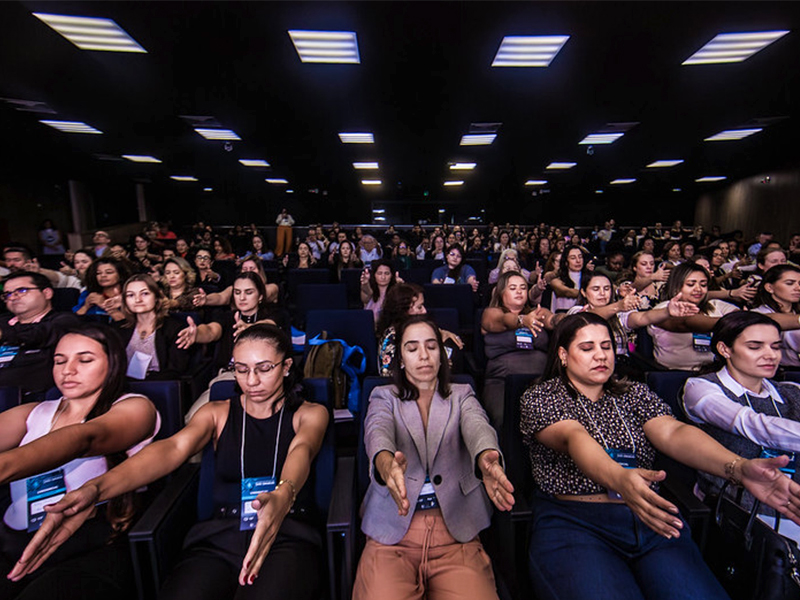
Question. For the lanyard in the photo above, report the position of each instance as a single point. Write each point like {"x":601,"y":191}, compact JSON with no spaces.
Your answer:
{"x":775,"y":406}
{"x":599,"y":432}
{"x":277,"y":438}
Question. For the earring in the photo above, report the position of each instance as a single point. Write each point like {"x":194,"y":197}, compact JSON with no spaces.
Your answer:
{"x":402,"y":366}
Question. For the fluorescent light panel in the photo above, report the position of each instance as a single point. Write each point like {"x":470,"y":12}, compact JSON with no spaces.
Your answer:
{"x":371,"y":182}
{"x":478,"y":139}
{"x":217,"y":134}
{"x":326,"y":46}
{"x":71,"y":126}
{"x":379,"y":211}
{"x":660,"y":164}
{"x":710,"y":178}
{"x":276,"y":181}
{"x":379,"y":218}
{"x":91,"y":33}
{"x":560,"y":166}
{"x":357,"y":138}
{"x":140,"y":158}
{"x":453,"y":183}
{"x":465,"y":166}
{"x":182,"y":178}
{"x":730,"y":135}
{"x":622,"y":181}
{"x":365,"y":165}
{"x":528,"y":50}
{"x":595,"y":139}
{"x":253,"y":162}
{"x":536,"y":182}
{"x":733,"y":47}
{"x":208,"y":189}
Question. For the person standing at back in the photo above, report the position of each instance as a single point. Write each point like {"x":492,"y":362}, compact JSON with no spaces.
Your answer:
{"x":284,"y":221}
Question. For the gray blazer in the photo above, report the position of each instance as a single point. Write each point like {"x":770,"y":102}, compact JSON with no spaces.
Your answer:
{"x":458,"y":431}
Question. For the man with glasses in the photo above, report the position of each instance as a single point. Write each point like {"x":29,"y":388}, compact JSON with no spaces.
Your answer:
{"x":29,"y":335}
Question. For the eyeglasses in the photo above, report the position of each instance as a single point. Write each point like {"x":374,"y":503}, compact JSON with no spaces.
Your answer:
{"x":261,"y":368}
{"x":6,"y":296}
{"x":202,"y":258}
{"x":454,"y":254}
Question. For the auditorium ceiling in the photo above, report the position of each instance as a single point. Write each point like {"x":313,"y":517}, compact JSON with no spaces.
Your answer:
{"x":424,"y":79}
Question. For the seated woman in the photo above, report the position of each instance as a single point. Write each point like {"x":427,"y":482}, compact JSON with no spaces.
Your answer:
{"x":303,"y":260}
{"x":265,"y":436}
{"x":402,"y":257}
{"x":455,"y":270}
{"x":437,"y":248}
{"x":178,"y":282}
{"x":503,"y":242}
{"x":671,"y":254}
{"x":425,"y":504}
{"x":208,"y":280}
{"x":375,"y":282}
{"x":103,"y":294}
{"x":592,"y":440}
{"x":345,"y":257}
{"x":222,"y":249}
{"x":738,"y":405}
{"x":567,"y":282}
{"x":259,"y":249}
{"x":149,"y":333}
{"x":402,"y":301}
{"x":92,"y":427}
{"x":249,"y":264}
{"x":645,"y":278}
{"x":507,"y":256}
{"x":779,"y":292}
{"x":141,"y":255}
{"x":514,"y":342}
{"x":73,"y":275}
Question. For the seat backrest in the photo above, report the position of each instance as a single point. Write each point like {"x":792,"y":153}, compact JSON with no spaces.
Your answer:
{"x":793,"y":376}
{"x":356,"y":327}
{"x":312,"y":296}
{"x":461,"y":297}
{"x":295,"y":277}
{"x":166,"y":396}
{"x":419,"y":275}
{"x":478,"y":347}
{"x":10,"y":397}
{"x":351,"y":278}
{"x":445,"y":318}
{"x":65,"y":298}
{"x":515,"y":453}
{"x":644,"y":343}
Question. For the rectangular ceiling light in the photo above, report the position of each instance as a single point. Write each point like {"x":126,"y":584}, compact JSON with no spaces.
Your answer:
{"x":71,"y":126}
{"x":478,"y":139}
{"x":453,"y":183}
{"x":217,"y":134}
{"x":536,"y":182}
{"x":710,"y":179}
{"x":140,"y":158}
{"x":253,"y":162}
{"x":371,"y":182}
{"x":276,"y":181}
{"x":733,"y":47}
{"x":730,"y":135}
{"x":528,"y":50}
{"x":660,"y":164}
{"x":622,"y":181}
{"x":554,"y":166}
{"x":365,"y":165}
{"x":379,"y":211}
{"x":91,"y":33}
{"x":465,"y":166}
{"x":379,"y":218}
{"x":594,"y":139}
{"x":182,"y":178}
{"x":357,"y":138}
{"x":326,"y":46}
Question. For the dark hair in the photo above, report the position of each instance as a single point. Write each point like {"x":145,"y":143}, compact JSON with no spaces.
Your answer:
{"x":161,"y":308}
{"x":585,"y":285}
{"x":15,"y":247}
{"x":397,"y":303}
{"x":91,"y":274}
{"x":563,"y":267}
{"x":676,"y":278}
{"x":260,"y":287}
{"x":455,"y":273}
{"x":667,"y":247}
{"x":771,"y":277}
{"x":373,"y":284}
{"x":39,"y":280}
{"x":728,"y":328}
{"x":272,"y":334}
{"x":500,"y":287}
{"x":224,"y":244}
{"x":563,"y":336}
{"x":405,"y":389}
{"x":761,"y":257}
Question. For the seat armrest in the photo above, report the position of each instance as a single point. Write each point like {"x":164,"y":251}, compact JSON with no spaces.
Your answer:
{"x":341,"y":528}
{"x":696,"y":513}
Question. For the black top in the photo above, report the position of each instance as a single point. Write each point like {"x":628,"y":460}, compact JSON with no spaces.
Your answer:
{"x":173,"y":362}
{"x":227,"y":319}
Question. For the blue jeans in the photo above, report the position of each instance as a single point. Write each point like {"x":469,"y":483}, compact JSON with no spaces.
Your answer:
{"x":598,"y":550}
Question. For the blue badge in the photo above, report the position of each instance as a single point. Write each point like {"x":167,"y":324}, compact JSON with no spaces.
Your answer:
{"x":701,"y":342}
{"x":790,"y":468}
{"x":427,"y":496}
{"x":624,"y":458}
{"x":524,"y":339}
{"x":7,"y":354}
{"x":44,"y":489}
{"x":251,"y":488}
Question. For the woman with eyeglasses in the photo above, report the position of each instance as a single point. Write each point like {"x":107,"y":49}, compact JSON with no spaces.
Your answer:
{"x":779,"y":293}
{"x":402,"y":258}
{"x":103,"y":294}
{"x":455,"y":270}
{"x":507,"y":261}
{"x":261,"y":540}
{"x":208,"y":280}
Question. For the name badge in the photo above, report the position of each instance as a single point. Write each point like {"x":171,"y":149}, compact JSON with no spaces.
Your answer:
{"x":790,"y":468}
{"x":7,"y":354}
{"x":44,"y":489}
{"x":524,"y":339}
{"x":251,"y":488}
{"x":427,"y":496}
{"x":701,"y":342}
{"x":624,"y":458}
{"x":449,"y":280}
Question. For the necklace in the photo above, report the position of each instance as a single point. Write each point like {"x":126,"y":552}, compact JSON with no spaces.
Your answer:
{"x":60,"y":411}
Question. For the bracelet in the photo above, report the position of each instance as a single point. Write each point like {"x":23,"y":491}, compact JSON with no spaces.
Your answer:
{"x":291,"y":484}
{"x":730,"y":293}
{"x":521,"y":320}
{"x":730,"y":470}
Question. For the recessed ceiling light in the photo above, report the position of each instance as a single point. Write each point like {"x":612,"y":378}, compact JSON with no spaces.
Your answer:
{"x":478,"y":139}
{"x":453,"y":183}
{"x":441,"y":210}
{"x":326,"y":46}
{"x":709,"y":179}
{"x":599,"y":192}
{"x":677,"y":190}
{"x":664,"y":163}
{"x":536,"y":182}
{"x":182,"y":178}
{"x":554,"y":166}
{"x":91,"y":33}
{"x":253,"y":162}
{"x":71,"y":126}
{"x":462,"y":166}
{"x":595,"y":139}
{"x":733,"y":47}
{"x":528,"y":50}
{"x":277,"y":181}
{"x":290,"y":191}
{"x":371,"y":182}
{"x":732,"y":134}
{"x":365,"y":165}
{"x":622,"y":181}
{"x":379,"y":211}
{"x":208,"y":189}
{"x":217,"y":134}
{"x":357,"y":138}
{"x":140,"y":158}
